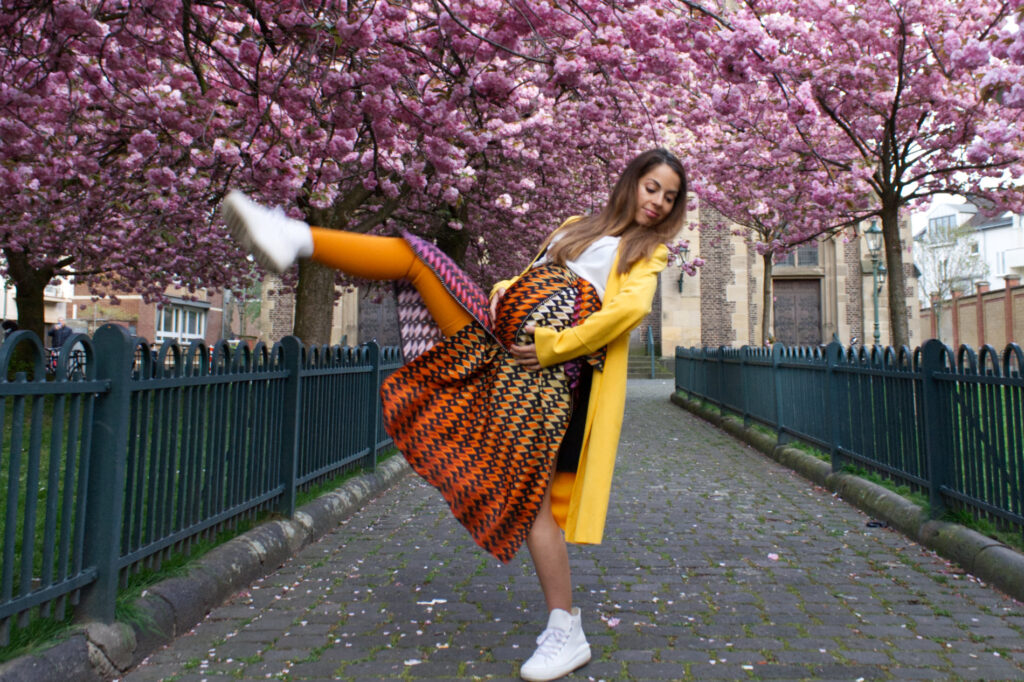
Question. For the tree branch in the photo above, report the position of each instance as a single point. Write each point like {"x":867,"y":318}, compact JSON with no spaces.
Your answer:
{"x":487,"y":40}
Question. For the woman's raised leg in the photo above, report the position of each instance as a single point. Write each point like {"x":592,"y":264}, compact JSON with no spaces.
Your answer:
{"x":277,"y":241}
{"x":389,"y":258}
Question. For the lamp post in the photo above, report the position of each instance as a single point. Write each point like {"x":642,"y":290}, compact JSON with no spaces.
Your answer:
{"x":684,"y":252}
{"x":874,"y":236}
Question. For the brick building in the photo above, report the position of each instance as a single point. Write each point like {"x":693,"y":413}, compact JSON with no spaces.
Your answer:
{"x":277,"y":314}
{"x":821,"y":290}
{"x":184,"y":317}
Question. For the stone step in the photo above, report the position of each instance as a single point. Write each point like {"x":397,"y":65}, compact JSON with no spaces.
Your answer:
{"x":640,"y":367}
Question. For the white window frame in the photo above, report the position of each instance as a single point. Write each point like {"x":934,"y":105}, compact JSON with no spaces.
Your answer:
{"x":180,"y":322}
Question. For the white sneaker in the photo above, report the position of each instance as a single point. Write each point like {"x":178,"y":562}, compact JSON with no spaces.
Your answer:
{"x":275,"y":240}
{"x":561,"y":648}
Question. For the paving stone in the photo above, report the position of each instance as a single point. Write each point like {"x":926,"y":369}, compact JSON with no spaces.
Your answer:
{"x":155,"y":670}
{"x":918,"y":674}
{"x":290,"y":641}
{"x":712,"y":552}
{"x":918,"y":658}
{"x":596,"y":670}
{"x":848,"y":672}
{"x":804,"y":657}
{"x":814,"y":643}
{"x":237,"y":649}
{"x":276,"y":656}
{"x":858,"y":656}
{"x":315,"y":669}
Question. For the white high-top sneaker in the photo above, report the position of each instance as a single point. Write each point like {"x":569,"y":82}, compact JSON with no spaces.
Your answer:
{"x":561,"y":648}
{"x":275,"y":240}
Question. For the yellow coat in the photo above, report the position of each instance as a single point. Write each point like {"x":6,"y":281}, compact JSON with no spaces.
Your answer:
{"x":580,"y":500}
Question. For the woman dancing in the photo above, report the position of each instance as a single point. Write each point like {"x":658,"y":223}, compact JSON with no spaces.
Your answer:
{"x":514,"y":412}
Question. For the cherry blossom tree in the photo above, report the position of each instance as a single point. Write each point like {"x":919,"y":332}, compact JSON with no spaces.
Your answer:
{"x":110,"y":170}
{"x":754,"y":173}
{"x":1001,"y":53}
{"x":902,"y":89}
{"x":479,"y":125}
{"x":476,"y":126}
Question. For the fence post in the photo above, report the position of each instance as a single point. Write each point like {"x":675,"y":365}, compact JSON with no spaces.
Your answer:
{"x":675,"y":369}
{"x":782,"y":438}
{"x":938,"y":434}
{"x":650,"y":348}
{"x":372,"y":401}
{"x":720,"y":380}
{"x":745,"y":352}
{"x":291,"y":422}
{"x":833,"y":399}
{"x":104,"y":505}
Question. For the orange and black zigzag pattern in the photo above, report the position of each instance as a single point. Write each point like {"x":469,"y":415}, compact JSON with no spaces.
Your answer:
{"x":418,"y":331}
{"x":481,"y":429}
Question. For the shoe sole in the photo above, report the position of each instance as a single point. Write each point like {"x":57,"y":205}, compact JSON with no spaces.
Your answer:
{"x":237,"y":227}
{"x":581,"y":658}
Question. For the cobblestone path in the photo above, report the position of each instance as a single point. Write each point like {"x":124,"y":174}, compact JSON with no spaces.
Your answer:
{"x":717,"y":564}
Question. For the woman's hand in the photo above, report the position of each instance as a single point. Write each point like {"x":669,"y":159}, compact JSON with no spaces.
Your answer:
{"x":526,"y":355}
{"x":499,"y":294}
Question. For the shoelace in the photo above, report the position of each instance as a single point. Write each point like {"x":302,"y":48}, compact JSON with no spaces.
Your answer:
{"x":550,"y":642}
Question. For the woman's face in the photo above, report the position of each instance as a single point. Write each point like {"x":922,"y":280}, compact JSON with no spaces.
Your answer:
{"x":656,"y":194}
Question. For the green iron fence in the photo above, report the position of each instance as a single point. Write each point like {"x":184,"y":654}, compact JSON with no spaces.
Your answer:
{"x":138,"y":451}
{"x":948,"y":425}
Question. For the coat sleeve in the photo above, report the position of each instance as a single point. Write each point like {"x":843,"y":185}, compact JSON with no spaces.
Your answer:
{"x":503,"y":284}
{"x":618,"y":315}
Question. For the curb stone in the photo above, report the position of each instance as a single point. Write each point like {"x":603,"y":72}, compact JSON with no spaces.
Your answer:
{"x":96,"y":651}
{"x":978,"y":554}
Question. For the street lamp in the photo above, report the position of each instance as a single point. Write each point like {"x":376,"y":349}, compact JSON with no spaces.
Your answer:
{"x":874,"y":236}
{"x":684,"y":252}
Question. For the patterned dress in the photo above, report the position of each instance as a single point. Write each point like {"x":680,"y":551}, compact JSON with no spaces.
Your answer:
{"x":481,"y":429}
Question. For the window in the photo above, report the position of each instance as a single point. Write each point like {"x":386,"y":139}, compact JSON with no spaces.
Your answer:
{"x":802,"y":256}
{"x":946,"y":222}
{"x":180,"y":322}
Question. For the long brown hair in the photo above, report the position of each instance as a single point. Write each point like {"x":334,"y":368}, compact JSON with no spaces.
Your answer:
{"x":618,"y":217}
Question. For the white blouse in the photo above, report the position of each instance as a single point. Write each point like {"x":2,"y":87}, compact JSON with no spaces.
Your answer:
{"x":595,"y":263}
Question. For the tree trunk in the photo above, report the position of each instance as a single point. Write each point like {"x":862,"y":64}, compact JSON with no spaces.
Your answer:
{"x":899,"y":334}
{"x":314,"y":303}
{"x":455,"y":243}
{"x":314,"y":294}
{"x":29,"y":285}
{"x":767,"y":300}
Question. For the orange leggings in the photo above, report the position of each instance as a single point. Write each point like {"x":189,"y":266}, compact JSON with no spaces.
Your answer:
{"x":389,"y":258}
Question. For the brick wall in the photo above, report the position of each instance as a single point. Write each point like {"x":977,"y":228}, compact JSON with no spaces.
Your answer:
{"x":755,"y":273}
{"x":988,"y":317}
{"x":378,"y":316}
{"x":854,"y":291}
{"x":716,"y":310}
{"x":277,"y":314}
